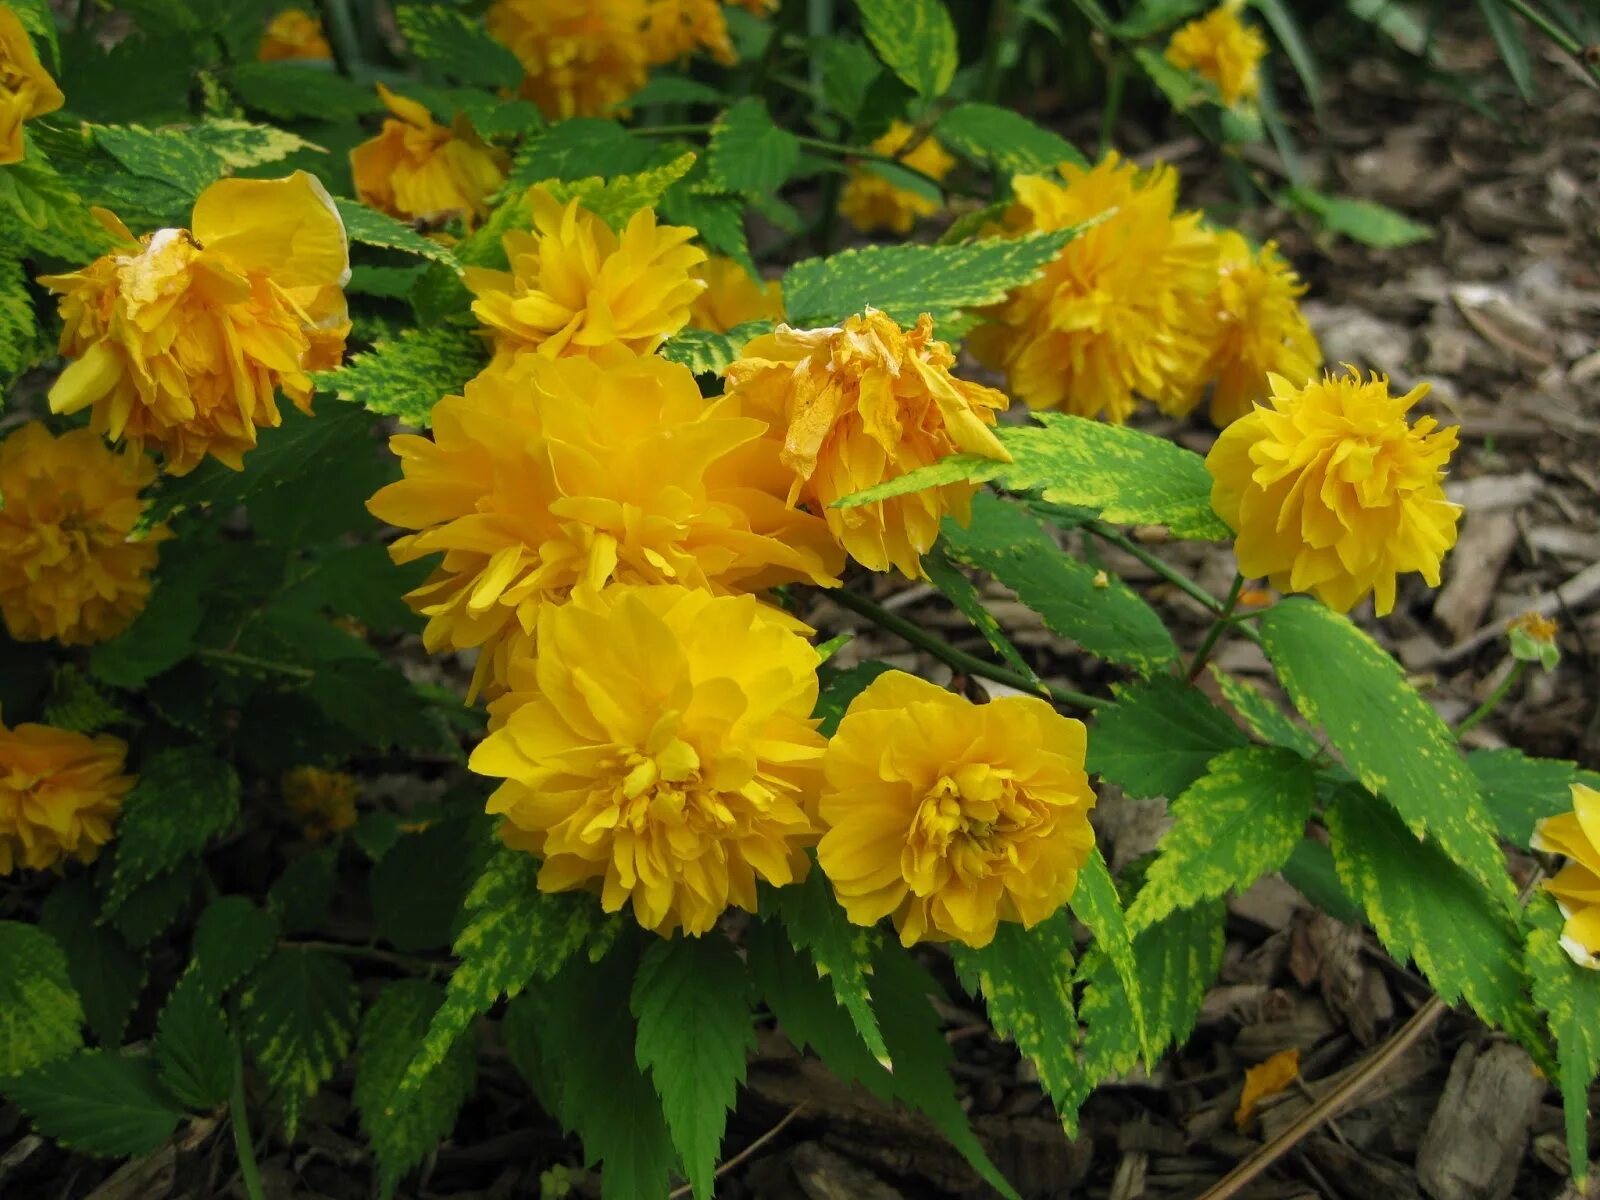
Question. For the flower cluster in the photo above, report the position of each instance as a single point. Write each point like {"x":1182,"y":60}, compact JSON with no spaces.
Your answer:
{"x":60,"y":791}
{"x":1145,"y":301}
{"x":659,"y":746}
{"x":574,"y":287}
{"x":1222,"y":49}
{"x":585,"y":57}
{"x":26,"y":89}
{"x":294,"y":35}
{"x":180,"y":339}
{"x":862,"y":403}
{"x":418,"y":169}
{"x":950,"y":817}
{"x":606,"y":540}
{"x":323,"y":801}
{"x":1576,"y":887}
{"x":71,"y":566}
{"x":1331,"y":491}
{"x":569,"y":472}
{"x":872,"y":202}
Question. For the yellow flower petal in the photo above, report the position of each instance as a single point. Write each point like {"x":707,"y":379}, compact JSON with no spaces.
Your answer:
{"x":288,"y":229}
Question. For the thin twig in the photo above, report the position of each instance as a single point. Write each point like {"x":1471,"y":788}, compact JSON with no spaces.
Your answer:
{"x":678,"y":1192}
{"x":1330,"y":1105}
{"x":1214,"y":634}
{"x":960,"y":660}
{"x":1492,"y":701}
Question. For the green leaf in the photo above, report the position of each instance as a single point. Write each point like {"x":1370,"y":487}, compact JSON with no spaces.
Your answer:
{"x":20,"y":344}
{"x":808,"y":1010}
{"x":232,"y":937}
{"x":1425,"y":909}
{"x":369,"y":227}
{"x":1520,"y":791}
{"x":1183,"y":89}
{"x":1569,"y":995}
{"x":1390,"y":737}
{"x":299,"y":899}
{"x":76,"y":704}
{"x":1129,"y":477}
{"x":1159,"y":737}
{"x":402,"y":1134}
{"x":39,"y":1010}
{"x":1311,"y":871}
{"x":376,"y":703}
{"x":515,"y":934}
{"x":1263,"y":718}
{"x":457,"y":46}
{"x":719,"y":216}
{"x":691,"y":999}
{"x":676,"y":89}
{"x":1102,"y":614}
{"x":1365,"y":221}
{"x":707,"y":353}
{"x":601,"y":1094}
{"x":194,"y":1054}
{"x":1292,"y":38}
{"x":105,"y":973}
{"x":299,"y":1017}
{"x":748,"y":153}
{"x":1513,"y":49}
{"x":848,"y":71}
{"x":174,"y":156}
{"x":1177,"y":961}
{"x":419,"y":887}
{"x":839,"y":687}
{"x":909,"y":279}
{"x":1095,"y":902}
{"x":959,"y":590}
{"x":1238,"y":821}
{"x":843,"y":952}
{"x":40,"y":22}
{"x":97,"y":1102}
{"x":160,"y":637}
{"x":915,"y":39}
{"x":290,"y":90}
{"x":406,"y":377}
{"x":241,"y":144}
{"x":152,"y":907}
{"x":1005,"y":139}
{"x":303,"y":452}
{"x":1026,"y":980}
{"x":617,"y":199}
{"x":902,"y":992}
{"x":583,"y":147}
{"x":184,"y":799}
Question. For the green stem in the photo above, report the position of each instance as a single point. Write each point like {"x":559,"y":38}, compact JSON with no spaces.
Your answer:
{"x":1560,"y":37}
{"x":959,"y":660}
{"x":251,"y":662}
{"x":1492,"y":702}
{"x":1173,"y":576}
{"x":406,"y":962}
{"x":1214,"y":634}
{"x":239,"y":1118}
{"x":342,"y":35}
{"x":1116,"y":86}
{"x":1001,"y":23}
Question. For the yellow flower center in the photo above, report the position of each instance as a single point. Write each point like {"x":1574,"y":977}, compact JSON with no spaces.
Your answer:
{"x":968,"y":827}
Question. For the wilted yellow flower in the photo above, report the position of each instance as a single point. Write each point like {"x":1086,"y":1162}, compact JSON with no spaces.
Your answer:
{"x":69,"y":567}
{"x":1576,"y":887}
{"x":567,"y":472}
{"x":664,"y":752}
{"x":1536,"y":627}
{"x":59,"y":794}
{"x":294,"y":34}
{"x":1121,"y":310}
{"x":324,"y":801}
{"x":872,"y":203}
{"x":26,"y":89}
{"x":676,"y":28}
{"x":1264,"y":1081}
{"x":416,"y":167}
{"x":1257,"y":329}
{"x":863,"y":403}
{"x":575,"y":287}
{"x":733,"y":296}
{"x":1223,"y":49}
{"x":581,"y":57}
{"x":1331,"y":492}
{"x":181,"y":338}
{"x":952,"y":816}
